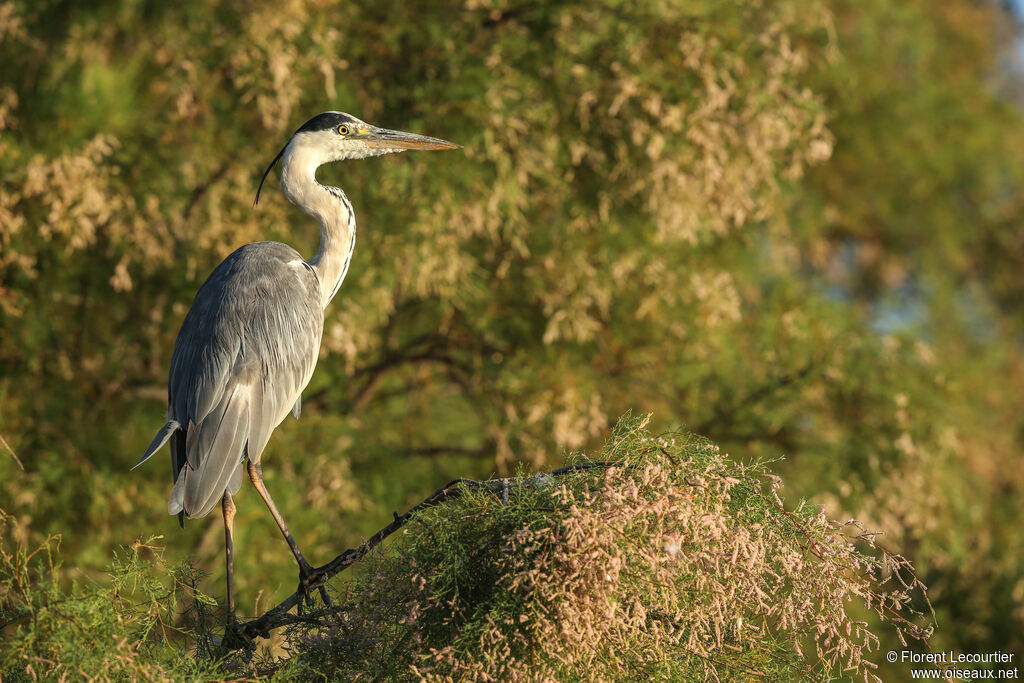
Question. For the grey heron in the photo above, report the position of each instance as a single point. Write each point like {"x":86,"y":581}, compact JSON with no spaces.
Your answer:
{"x":248,"y":345}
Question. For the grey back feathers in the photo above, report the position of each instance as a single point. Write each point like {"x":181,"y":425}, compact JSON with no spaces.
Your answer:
{"x":246,"y":350}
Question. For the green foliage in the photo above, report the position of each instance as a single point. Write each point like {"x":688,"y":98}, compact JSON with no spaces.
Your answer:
{"x":122,"y":630}
{"x":673,"y":563}
{"x":662,"y":559}
{"x":794,"y":226}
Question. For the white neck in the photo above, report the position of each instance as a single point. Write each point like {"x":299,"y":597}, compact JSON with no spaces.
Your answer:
{"x":330,"y":207}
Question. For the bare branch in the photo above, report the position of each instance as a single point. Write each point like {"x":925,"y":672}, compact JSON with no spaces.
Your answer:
{"x":278,"y":616}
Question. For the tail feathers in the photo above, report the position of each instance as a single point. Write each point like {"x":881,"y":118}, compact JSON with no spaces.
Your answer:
{"x":235,"y":482}
{"x":176,"y":503}
{"x":162,"y":437}
{"x":215,"y":448}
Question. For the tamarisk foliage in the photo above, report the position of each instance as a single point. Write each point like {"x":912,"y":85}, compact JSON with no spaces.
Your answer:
{"x":144,"y":623}
{"x":657,"y":556}
{"x":666,"y":560}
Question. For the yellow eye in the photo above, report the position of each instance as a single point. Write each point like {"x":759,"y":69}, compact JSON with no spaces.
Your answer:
{"x":343,"y":129}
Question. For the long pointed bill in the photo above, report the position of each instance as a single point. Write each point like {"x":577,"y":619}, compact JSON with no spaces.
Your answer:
{"x":394,"y":139}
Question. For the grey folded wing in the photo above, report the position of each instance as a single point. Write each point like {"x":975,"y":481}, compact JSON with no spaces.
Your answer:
{"x":245,"y":351}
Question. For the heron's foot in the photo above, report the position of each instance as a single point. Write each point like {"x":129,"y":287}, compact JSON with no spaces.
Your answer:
{"x":235,"y":637}
{"x":309,"y":577}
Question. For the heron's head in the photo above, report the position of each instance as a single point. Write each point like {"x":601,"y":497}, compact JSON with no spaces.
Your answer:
{"x":336,"y":136}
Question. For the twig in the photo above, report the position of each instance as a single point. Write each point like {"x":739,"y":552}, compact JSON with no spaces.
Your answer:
{"x":200,"y":190}
{"x":911,"y":627}
{"x":13,"y":454}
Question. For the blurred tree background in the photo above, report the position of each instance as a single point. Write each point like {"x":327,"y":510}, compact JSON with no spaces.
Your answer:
{"x":795,"y":227}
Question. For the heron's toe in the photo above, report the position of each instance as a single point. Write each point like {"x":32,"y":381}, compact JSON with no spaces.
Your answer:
{"x":308,"y":579}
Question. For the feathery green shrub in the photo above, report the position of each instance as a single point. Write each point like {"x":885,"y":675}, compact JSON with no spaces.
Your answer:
{"x":673,"y":563}
{"x":660,"y":558}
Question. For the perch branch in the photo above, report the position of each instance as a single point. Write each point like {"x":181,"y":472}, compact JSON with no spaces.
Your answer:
{"x":278,"y":616}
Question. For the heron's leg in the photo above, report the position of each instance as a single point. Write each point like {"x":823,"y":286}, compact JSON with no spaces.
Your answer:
{"x":228,"y":506}
{"x":256,"y":475}
{"x":306,"y":571}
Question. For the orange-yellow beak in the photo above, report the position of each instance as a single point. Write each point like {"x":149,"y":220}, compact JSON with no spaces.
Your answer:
{"x":396,"y":139}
